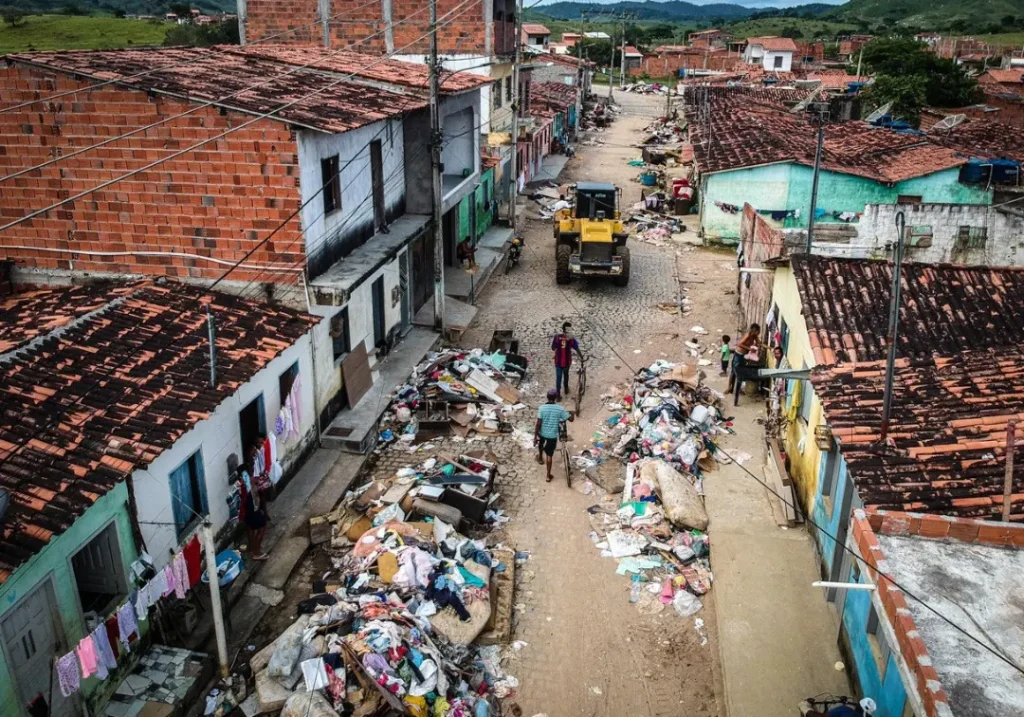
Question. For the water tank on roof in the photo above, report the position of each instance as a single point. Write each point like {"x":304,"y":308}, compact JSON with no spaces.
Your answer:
{"x":974,"y":172}
{"x":1005,"y":171}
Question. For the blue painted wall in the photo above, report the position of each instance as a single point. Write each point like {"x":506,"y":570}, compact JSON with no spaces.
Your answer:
{"x":886,"y":690}
{"x":788,"y":186}
{"x":820,"y":515}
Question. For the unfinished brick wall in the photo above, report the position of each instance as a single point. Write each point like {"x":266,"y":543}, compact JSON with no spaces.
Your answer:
{"x":299,"y":18}
{"x":761,"y":242}
{"x":669,"y":65}
{"x":216,"y":202}
{"x":465,"y":34}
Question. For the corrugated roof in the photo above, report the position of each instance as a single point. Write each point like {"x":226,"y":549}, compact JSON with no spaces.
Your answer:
{"x":744,"y":130}
{"x":946,"y":309}
{"x":202,"y":75}
{"x":94,"y":405}
{"x":948,"y":430}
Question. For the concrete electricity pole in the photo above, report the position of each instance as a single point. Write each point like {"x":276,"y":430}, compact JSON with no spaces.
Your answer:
{"x":817,"y":173}
{"x":894,"y":327}
{"x":622,"y":57}
{"x":435,"y":170}
{"x":514,"y":161}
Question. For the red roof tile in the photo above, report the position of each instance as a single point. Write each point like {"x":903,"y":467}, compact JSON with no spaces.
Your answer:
{"x":530,"y":28}
{"x":414,"y":75}
{"x":773,"y":44}
{"x":741,"y":129}
{"x":982,"y":139}
{"x":263,"y":85}
{"x":140,"y":401}
{"x":1009,"y":77}
{"x":946,"y":309}
{"x":948,"y":428}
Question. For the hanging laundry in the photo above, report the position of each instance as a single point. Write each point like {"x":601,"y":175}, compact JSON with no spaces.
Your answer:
{"x":180,"y":571}
{"x":67,"y":674}
{"x":86,"y":652}
{"x":193,"y":558}
{"x":113,"y":633}
{"x":157,"y":586}
{"x":141,"y":603}
{"x":275,"y":466}
{"x":126,"y":623}
{"x":105,"y":659}
{"x":169,"y":574}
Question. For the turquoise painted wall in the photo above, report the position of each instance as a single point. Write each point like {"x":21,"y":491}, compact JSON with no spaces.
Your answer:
{"x":54,"y":563}
{"x":830,"y":523}
{"x":788,"y":186}
{"x":484,"y":219}
{"x":886,"y":690}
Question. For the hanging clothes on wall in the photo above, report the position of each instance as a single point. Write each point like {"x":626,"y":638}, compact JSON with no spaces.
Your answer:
{"x":193,"y":560}
{"x":68,"y":675}
{"x":105,"y":658}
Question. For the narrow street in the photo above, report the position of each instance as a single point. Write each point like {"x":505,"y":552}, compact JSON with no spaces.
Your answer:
{"x":764,"y":638}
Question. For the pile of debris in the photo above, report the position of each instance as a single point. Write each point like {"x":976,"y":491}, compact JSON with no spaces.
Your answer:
{"x":458,"y":392}
{"x":663,"y":431}
{"x":647,"y":88}
{"x":649,"y":224}
{"x":398,"y":624}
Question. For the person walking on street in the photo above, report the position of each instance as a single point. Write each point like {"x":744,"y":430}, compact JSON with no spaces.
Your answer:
{"x":563,"y":345}
{"x":545,"y":434}
{"x":750,"y":341}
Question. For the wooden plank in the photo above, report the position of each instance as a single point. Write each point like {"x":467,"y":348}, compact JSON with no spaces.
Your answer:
{"x":355,"y":372}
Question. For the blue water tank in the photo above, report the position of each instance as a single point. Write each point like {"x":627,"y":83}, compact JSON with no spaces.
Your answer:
{"x":1005,"y":171}
{"x":974,"y":172}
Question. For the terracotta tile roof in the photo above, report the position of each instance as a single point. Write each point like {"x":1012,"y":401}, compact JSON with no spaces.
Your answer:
{"x":632,"y":51}
{"x":487,"y":162}
{"x":836,"y":80}
{"x":946,"y":309}
{"x":773,"y":44}
{"x":344,"y":107}
{"x":530,"y":28}
{"x":413,"y":75}
{"x":556,"y":93}
{"x":31,"y":314}
{"x":1009,"y":77}
{"x":745,"y":130}
{"x":948,"y":429}
{"x":570,"y":60}
{"x":140,"y":400}
{"x":982,"y":139}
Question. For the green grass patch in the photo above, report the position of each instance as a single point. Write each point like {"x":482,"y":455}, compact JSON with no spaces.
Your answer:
{"x":73,"y":32}
{"x":780,"y":26}
{"x":1003,"y":38}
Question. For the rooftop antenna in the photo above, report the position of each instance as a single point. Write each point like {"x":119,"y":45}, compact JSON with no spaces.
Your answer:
{"x":949,"y":122}
{"x":806,"y":101}
{"x":879,"y":113}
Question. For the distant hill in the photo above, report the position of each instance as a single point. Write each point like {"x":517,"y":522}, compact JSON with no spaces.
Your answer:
{"x":132,"y":7}
{"x":936,"y":15}
{"x":672,"y":11}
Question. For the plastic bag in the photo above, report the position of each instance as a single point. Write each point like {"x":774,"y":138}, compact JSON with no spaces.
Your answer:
{"x":289,"y":648}
{"x":686,"y":604}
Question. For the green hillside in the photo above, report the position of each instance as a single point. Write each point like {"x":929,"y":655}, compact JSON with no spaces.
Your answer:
{"x":107,"y":7}
{"x":938,"y":15}
{"x":62,"y":32}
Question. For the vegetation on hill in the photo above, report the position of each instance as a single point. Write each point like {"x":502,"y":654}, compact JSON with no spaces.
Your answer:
{"x":673,"y":10}
{"x":111,"y":7}
{"x":948,"y":16}
{"x":61,"y":32}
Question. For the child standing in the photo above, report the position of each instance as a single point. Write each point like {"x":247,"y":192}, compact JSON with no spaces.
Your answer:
{"x":726,"y":355}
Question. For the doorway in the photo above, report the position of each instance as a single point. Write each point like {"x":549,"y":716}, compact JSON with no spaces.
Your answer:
{"x":377,"y":180}
{"x":252,"y":424}
{"x":31,"y":638}
{"x":422,"y":261}
{"x":450,"y":232}
{"x":99,"y":572}
{"x":404,"y":287}
{"x":379,"y":329}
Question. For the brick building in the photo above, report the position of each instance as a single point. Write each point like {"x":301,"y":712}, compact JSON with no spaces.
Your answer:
{"x":477,"y":37}
{"x":334,"y":190}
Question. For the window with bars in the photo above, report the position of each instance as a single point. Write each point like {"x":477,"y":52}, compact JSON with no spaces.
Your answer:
{"x":971,"y":238}
{"x":496,"y":91}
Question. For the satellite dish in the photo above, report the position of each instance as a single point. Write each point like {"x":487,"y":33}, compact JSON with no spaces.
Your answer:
{"x":879,"y":113}
{"x":806,"y":101}
{"x":949,"y":122}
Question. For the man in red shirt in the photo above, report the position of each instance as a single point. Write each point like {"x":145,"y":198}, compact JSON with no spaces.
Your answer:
{"x":563,"y":345}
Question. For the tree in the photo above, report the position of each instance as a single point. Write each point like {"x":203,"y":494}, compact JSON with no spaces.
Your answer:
{"x":792,"y":31}
{"x":906,"y":92}
{"x":599,"y":51}
{"x":946,"y":83}
{"x":1009,"y":20}
{"x":119,"y":13}
{"x":13,"y":16}
{"x":73,"y":9}
{"x":181,"y":9}
{"x":220,"y":33}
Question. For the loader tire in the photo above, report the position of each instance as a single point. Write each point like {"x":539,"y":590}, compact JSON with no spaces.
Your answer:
{"x":562,"y":254}
{"x":623,"y":278}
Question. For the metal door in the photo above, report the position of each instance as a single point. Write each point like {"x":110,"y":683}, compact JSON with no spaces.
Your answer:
{"x":32,"y":642}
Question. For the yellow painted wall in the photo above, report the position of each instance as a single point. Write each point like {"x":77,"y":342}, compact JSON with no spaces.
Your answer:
{"x":800,"y":435}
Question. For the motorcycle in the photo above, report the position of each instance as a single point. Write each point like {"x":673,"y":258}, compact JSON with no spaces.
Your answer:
{"x":515,"y":253}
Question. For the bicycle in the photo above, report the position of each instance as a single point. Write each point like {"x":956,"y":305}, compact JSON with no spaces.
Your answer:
{"x":563,"y":440}
{"x":581,"y":383}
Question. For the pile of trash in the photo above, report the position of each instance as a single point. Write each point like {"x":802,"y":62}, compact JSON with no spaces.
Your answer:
{"x":456,"y":392}
{"x":647,"y":88}
{"x":663,"y":432}
{"x":650,"y":226}
{"x":398,"y":624}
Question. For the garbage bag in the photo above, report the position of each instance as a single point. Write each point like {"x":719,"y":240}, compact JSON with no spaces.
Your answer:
{"x":683,"y":505}
{"x":286,"y":655}
{"x":686,"y":604}
{"x":308,"y":704}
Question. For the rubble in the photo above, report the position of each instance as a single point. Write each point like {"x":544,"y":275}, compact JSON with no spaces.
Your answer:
{"x":655,"y":526}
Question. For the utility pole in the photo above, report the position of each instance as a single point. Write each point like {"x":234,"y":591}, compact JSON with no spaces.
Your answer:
{"x":894,"y":327}
{"x":817,"y":174}
{"x":435,"y":167}
{"x":622,"y":57}
{"x":514,"y":161}
{"x":215,"y":605}
{"x":1011,"y":448}
{"x":860,"y":59}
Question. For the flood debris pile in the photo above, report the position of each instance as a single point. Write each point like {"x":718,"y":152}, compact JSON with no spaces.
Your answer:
{"x":647,"y":88}
{"x":455,"y":392}
{"x":397,"y":626}
{"x":653,"y":521}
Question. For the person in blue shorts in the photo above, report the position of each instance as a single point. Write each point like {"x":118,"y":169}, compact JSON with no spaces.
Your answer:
{"x":545,"y":436}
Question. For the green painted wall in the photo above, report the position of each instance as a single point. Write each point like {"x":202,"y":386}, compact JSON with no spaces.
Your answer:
{"x":54,"y":563}
{"x":788,"y":186}
{"x":484,"y":220}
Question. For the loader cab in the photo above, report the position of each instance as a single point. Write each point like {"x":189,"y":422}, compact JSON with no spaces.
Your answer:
{"x":596,"y":201}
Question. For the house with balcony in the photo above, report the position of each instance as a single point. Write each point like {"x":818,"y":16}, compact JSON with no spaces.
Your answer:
{"x":479,"y":38}
{"x":536,"y":36}
{"x":325,"y":206}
